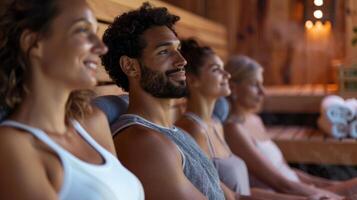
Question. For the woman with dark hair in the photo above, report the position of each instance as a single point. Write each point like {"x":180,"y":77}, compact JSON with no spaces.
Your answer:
{"x":206,"y":82}
{"x":246,"y":136}
{"x":49,"y":52}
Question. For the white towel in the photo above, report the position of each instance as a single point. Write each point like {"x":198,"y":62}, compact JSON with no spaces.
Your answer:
{"x":336,"y":110}
{"x":353,"y":129}
{"x":352,"y":105}
{"x":336,"y":130}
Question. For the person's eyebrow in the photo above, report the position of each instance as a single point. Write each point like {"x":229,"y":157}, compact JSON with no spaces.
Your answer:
{"x":84,"y":20}
{"x":162,"y":44}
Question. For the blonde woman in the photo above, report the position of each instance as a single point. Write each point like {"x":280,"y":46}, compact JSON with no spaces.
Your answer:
{"x":247,"y":138}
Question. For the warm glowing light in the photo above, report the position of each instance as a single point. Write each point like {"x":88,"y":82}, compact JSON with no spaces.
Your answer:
{"x":318,"y":24}
{"x":319,"y":2}
{"x":318,"y":14}
{"x":309,"y":24}
{"x":327,"y":24}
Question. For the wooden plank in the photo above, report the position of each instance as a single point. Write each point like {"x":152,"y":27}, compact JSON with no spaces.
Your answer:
{"x":107,"y":10}
{"x":274,"y":131}
{"x":288,"y":133}
{"x":317,"y":149}
{"x":317,"y":135}
{"x":211,"y":38}
{"x":302,"y":134}
{"x":306,"y":90}
{"x":282,"y":99}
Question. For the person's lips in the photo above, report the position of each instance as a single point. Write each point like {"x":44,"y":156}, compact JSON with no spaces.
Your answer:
{"x":91,"y":65}
{"x":177,"y":74}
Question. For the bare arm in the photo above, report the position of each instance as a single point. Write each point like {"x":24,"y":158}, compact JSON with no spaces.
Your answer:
{"x":314,"y":180}
{"x":242,"y":145}
{"x":270,"y":195}
{"x":156,"y":161}
{"x":196,"y":131}
{"x":23,"y":174}
{"x":98,"y":126}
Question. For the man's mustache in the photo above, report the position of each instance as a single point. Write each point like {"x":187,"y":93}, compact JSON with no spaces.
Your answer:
{"x":171,"y":71}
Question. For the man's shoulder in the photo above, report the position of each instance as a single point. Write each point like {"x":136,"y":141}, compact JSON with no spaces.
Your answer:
{"x":145,"y":137}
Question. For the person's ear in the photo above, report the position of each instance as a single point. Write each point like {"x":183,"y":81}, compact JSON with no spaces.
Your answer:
{"x":130,"y":66}
{"x":30,"y":44}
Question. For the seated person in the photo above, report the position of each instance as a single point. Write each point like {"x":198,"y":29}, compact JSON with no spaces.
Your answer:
{"x":144,"y":59}
{"x":206,"y":82}
{"x":246,"y":136}
{"x":49,"y":51}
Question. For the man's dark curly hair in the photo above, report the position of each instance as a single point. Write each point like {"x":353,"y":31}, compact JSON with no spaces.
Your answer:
{"x":123,"y":37}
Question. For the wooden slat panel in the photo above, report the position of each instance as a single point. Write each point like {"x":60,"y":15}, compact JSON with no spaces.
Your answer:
{"x":286,"y":99}
{"x":317,"y":135}
{"x":310,"y":146}
{"x":274,"y":131}
{"x":287,"y":133}
{"x":303,"y":134}
{"x":107,"y":10}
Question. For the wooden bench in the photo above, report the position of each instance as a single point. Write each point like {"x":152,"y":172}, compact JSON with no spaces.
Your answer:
{"x":296,"y":98}
{"x":312,"y":146}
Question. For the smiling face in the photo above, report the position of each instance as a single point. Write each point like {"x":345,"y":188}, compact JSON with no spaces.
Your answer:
{"x":70,"y":53}
{"x":161,"y":64}
{"x":249,"y":92}
{"x":212,"y":80}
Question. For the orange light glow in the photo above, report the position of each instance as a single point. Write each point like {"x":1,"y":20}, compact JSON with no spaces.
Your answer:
{"x":319,"y":31}
{"x":309,"y":24}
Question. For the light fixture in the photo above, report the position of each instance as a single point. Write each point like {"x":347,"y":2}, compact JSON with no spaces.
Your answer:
{"x":319,"y":2}
{"x":318,"y":14}
{"x":309,"y":24}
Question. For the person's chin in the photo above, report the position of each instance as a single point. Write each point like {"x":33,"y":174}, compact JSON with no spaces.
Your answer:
{"x":88,"y":83}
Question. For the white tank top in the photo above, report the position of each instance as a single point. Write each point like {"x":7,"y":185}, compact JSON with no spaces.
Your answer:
{"x":273,"y":153}
{"x":86,"y":181}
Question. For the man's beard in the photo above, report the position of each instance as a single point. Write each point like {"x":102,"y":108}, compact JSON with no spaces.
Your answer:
{"x":158,"y":84}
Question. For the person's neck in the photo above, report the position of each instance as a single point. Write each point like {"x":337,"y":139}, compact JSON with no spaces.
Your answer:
{"x":237,"y":114}
{"x":44,"y":108}
{"x":156,"y":110}
{"x":201,"y":106}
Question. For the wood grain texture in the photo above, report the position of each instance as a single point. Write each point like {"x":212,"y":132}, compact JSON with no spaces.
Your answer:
{"x":311,"y":146}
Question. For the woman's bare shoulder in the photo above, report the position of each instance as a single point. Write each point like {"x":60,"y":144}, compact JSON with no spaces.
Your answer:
{"x":21,"y":164}
{"x":97,"y":125}
{"x":192,"y":128}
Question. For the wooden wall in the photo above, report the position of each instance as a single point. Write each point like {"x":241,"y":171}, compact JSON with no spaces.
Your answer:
{"x":351,"y":22}
{"x":273,"y":32}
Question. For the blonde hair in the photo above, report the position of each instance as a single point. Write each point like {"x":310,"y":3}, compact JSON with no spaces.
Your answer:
{"x":242,"y":67}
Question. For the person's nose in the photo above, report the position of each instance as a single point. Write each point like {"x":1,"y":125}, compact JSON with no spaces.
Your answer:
{"x":99,"y":47}
{"x":180,"y":61}
{"x":227,"y":74}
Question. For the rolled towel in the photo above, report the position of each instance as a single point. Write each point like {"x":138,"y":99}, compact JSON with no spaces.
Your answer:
{"x":335,"y":109}
{"x":352,"y":104}
{"x":353,"y":129}
{"x":336,"y":130}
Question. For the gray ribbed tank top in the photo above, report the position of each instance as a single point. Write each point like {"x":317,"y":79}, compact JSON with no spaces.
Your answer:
{"x":197,"y":167}
{"x":232,"y":170}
